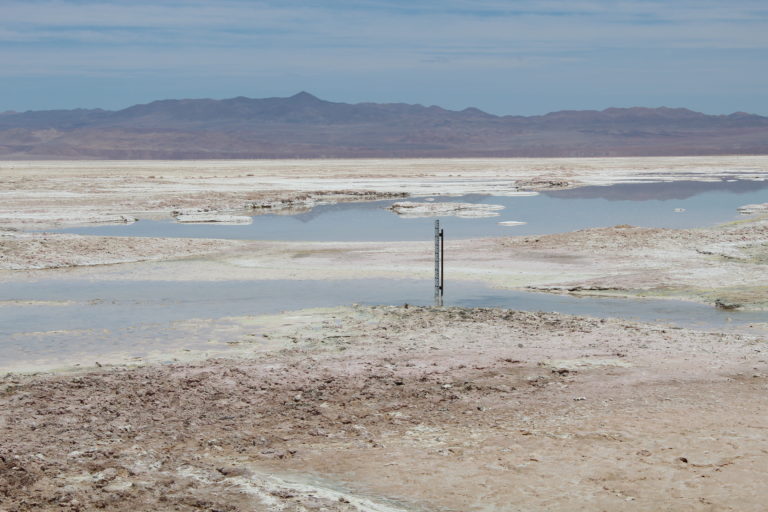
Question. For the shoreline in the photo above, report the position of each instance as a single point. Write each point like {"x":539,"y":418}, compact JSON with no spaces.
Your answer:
{"x":724,"y":264}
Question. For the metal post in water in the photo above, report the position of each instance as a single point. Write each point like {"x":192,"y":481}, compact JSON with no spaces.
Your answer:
{"x":438,"y":264}
{"x":442,"y":264}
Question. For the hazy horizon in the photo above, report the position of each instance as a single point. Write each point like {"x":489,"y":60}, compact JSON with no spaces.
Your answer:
{"x":652,"y":107}
{"x":507,"y":58}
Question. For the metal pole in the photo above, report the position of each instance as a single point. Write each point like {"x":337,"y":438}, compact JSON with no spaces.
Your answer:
{"x":438,"y":298}
{"x":442,"y":264}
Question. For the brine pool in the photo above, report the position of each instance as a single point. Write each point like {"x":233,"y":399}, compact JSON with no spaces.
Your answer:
{"x":65,"y":321}
{"x":51,"y":321}
{"x":683,"y":204}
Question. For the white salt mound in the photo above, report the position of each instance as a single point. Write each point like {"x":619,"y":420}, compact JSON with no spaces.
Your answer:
{"x":517,"y":193}
{"x":749,"y":209}
{"x":465,"y":210}
{"x":205,"y":218}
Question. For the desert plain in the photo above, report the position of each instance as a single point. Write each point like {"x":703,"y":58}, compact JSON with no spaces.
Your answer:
{"x":393,"y":407}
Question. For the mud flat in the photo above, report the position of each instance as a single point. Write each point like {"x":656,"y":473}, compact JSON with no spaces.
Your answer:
{"x":392,"y":408}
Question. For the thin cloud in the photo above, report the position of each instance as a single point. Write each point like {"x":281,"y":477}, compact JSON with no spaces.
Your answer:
{"x":233,"y":21}
{"x":532,"y":44}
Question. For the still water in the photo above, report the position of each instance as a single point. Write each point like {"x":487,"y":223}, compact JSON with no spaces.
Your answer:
{"x":141,"y":317}
{"x":647,"y":204}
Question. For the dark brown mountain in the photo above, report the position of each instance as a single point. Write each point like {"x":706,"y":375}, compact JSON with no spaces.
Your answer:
{"x":308,"y":127}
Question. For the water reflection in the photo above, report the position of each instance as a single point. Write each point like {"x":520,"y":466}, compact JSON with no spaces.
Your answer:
{"x":671,"y":205}
{"x":138,"y":317}
{"x":659,"y":191}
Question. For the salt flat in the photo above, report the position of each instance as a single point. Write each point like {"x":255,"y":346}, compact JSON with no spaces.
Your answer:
{"x":391,"y":408}
{"x":724,"y":263}
{"x":49,"y":193}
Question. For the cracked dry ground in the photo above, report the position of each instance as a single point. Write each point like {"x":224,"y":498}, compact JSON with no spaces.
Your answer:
{"x":405,"y":409}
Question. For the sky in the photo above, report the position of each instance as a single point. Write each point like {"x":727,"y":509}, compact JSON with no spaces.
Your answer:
{"x":521,"y":57}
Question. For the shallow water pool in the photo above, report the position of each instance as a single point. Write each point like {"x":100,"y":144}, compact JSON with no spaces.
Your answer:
{"x":646,"y":204}
{"x":137,"y":318}
{"x":74,"y":319}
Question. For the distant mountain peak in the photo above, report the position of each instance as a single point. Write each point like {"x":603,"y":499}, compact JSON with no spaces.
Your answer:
{"x":305,"y":126}
{"x":304,"y":96}
{"x":476,"y":111}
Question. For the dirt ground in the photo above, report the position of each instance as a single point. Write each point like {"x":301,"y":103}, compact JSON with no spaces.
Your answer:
{"x":393,"y":408}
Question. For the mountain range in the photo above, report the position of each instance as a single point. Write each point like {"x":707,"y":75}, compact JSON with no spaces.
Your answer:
{"x":304,"y":126}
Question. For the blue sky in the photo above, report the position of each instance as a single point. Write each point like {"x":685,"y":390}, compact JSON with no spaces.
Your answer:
{"x":506,"y":57}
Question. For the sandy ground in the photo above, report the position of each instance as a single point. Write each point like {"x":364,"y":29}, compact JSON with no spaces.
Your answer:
{"x":397,"y":409}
